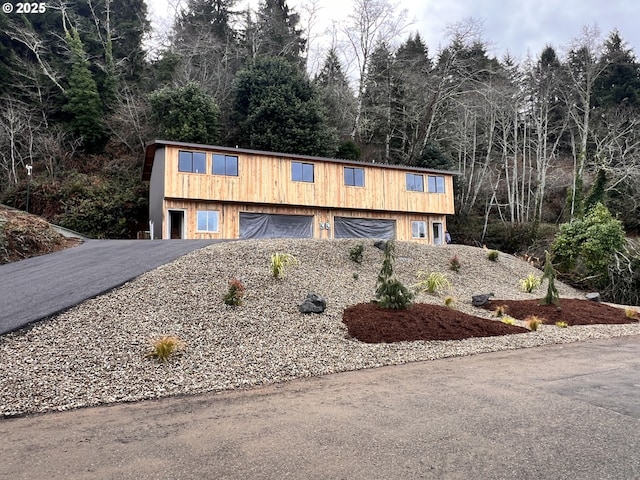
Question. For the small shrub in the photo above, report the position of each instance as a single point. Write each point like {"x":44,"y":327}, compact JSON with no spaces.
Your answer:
{"x":561,"y":324}
{"x":552,"y":296}
{"x":492,"y":255}
{"x":533,"y":322}
{"x":356,"y":275}
{"x":500,"y":311}
{"x":235,"y":293}
{"x":390,"y":292}
{"x":454,"y":263}
{"x":449,"y":301}
{"x":630,"y":313}
{"x":431,"y":281}
{"x":355,"y":253}
{"x":163,"y":347}
{"x":508,"y":320}
{"x":279,"y":261}
{"x":530,"y":283}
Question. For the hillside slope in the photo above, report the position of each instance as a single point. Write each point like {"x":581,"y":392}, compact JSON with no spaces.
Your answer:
{"x":23,"y":235}
{"x":95,"y":353}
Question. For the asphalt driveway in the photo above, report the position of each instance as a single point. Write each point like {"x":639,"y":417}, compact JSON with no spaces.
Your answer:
{"x":39,"y":287}
{"x":555,"y":412}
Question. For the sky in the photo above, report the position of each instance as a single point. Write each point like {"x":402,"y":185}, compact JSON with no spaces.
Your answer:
{"x":520,"y":27}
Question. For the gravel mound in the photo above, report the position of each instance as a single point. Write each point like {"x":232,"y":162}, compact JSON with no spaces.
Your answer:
{"x":94,"y":353}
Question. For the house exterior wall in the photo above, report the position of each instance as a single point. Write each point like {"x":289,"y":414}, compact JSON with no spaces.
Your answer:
{"x":156,"y":195}
{"x":264,"y":184}
{"x":229,"y":218}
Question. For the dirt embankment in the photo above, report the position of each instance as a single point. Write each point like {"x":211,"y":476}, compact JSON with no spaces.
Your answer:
{"x":23,"y":235}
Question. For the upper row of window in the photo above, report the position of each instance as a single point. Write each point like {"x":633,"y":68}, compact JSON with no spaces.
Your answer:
{"x":196,"y":162}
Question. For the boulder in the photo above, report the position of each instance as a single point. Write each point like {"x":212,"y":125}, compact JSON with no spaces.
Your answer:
{"x":594,"y":297}
{"x":480,"y":300}
{"x":314,"y":303}
{"x":380,"y":244}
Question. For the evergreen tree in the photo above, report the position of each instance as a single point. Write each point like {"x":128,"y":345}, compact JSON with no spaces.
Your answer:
{"x":83,"y":107}
{"x":185,"y":114}
{"x":277,"y":32}
{"x":376,"y":126}
{"x":276,"y":108}
{"x":336,"y":95}
{"x":619,"y":82}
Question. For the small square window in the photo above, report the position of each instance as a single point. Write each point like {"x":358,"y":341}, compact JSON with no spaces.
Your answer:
{"x":192,"y":162}
{"x":354,"y":177}
{"x":436,"y":184}
{"x":302,"y":172}
{"x":225,"y":165}
{"x":419,"y":229}
{"x":415,"y":183}
{"x":207,"y":221}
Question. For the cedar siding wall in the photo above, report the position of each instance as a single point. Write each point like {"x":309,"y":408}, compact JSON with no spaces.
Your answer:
{"x":267,"y":179}
{"x":264,"y":185}
{"x":229,"y":218}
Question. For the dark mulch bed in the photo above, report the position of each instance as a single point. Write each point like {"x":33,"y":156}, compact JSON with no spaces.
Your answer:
{"x":572,"y":311}
{"x":372,"y":324}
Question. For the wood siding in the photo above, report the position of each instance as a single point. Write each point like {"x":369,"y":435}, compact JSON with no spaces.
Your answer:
{"x":266,"y":179}
{"x":229,"y":218}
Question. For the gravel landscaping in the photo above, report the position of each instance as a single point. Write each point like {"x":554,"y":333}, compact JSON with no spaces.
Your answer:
{"x":96,"y":352}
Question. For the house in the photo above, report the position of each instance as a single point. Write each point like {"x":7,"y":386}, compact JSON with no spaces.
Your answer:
{"x":203,"y":191}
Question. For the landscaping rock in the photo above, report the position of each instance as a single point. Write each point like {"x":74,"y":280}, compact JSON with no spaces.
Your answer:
{"x":314,"y":303}
{"x":380,"y":244}
{"x":480,"y":300}
{"x":594,"y":297}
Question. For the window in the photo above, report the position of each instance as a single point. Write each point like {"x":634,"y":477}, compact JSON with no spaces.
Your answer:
{"x":415,"y":183}
{"x":354,"y":177}
{"x":302,"y":172}
{"x":436,"y":184}
{"x":207,"y":221}
{"x":419,"y":229}
{"x":225,"y":165}
{"x":194,"y":162}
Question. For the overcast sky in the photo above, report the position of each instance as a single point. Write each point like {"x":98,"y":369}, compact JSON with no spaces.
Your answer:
{"x":517,"y":26}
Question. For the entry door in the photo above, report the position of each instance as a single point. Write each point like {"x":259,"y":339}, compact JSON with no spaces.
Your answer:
{"x":438,"y":235}
{"x":176,"y":224}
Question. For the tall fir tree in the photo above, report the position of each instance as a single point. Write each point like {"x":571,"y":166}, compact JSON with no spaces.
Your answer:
{"x":83,"y":107}
{"x":277,"y":33}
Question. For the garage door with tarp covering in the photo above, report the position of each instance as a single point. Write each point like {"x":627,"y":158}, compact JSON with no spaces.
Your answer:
{"x":264,"y":225}
{"x":347,"y":227}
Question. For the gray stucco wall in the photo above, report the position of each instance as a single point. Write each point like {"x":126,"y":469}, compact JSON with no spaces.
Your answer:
{"x":156,"y":193}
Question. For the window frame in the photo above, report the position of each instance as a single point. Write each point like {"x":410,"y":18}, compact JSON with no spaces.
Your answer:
{"x":413,"y":177}
{"x":191,"y":169}
{"x":303,"y":172}
{"x":217,"y":221}
{"x":423,"y":223}
{"x":354,"y":177}
{"x":436,"y":183}
{"x":226,"y":159}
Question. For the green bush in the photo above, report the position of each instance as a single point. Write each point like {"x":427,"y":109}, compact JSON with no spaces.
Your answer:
{"x":493,"y":255}
{"x":235,"y":293}
{"x":530,"y":283}
{"x":585,"y":247}
{"x":391,"y":293}
{"x":432,"y":281}
{"x":355,"y":253}
{"x":279,"y":261}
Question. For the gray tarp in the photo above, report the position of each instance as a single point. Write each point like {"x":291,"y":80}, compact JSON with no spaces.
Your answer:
{"x":347,"y":227}
{"x":264,"y":225}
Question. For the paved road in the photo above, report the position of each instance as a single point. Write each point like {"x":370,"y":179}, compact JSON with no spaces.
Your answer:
{"x":556,"y":412}
{"x":38,"y":287}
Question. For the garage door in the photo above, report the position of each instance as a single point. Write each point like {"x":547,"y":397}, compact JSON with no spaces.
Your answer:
{"x":263,"y":225}
{"x":348,"y":227}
